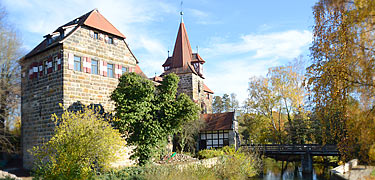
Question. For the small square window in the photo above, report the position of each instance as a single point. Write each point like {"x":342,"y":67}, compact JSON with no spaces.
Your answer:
{"x":110,"y":40}
{"x":94,"y":67}
{"x":203,"y":136}
{"x":77,"y":63}
{"x":45,"y":67}
{"x":110,"y":70}
{"x":55,"y":63}
{"x":124,"y":70}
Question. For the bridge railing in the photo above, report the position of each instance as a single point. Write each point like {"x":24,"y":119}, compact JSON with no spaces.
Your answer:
{"x":274,"y":148}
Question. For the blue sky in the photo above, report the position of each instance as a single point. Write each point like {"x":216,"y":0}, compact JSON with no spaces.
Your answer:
{"x":237,"y":39}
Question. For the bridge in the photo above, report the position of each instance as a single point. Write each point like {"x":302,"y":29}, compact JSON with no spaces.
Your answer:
{"x":296,"y":149}
{"x":304,"y":152}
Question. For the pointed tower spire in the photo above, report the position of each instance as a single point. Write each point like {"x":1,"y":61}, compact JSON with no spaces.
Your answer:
{"x":182,"y":52}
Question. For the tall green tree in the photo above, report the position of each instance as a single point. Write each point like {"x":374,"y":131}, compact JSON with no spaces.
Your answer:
{"x":217,"y":105}
{"x":226,"y":103}
{"x":149,"y":114}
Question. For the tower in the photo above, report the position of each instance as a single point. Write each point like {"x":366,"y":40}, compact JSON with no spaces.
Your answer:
{"x":189,"y":67}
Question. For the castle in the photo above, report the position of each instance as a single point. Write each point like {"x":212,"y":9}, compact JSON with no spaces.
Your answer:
{"x":81,"y":61}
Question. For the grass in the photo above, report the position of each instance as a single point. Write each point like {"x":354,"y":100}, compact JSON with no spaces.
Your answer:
{"x":231,"y":165}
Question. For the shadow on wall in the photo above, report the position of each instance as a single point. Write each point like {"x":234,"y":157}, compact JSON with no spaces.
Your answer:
{"x":98,"y":108}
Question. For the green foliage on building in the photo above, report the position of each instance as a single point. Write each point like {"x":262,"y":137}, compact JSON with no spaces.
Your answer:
{"x":149,"y":113}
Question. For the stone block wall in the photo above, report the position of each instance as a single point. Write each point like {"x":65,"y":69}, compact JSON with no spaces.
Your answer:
{"x":90,"y":88}
{"x":40,"y":98}
{"x":193,"y":85}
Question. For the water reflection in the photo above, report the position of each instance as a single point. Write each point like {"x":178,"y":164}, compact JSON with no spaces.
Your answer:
{"x":293,"y":171}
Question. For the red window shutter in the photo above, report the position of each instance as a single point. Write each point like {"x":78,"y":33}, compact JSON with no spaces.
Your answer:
{"x":70,"y":61}
{"x":40,"y":68}
{"x":84,"y":64}
{"x":35,"y":69}
{"x":88,"y":65}
{"x":31,"y":72}
{"x":59,"y":61}
{"x":49,"y":70}
{"x":105,"y":69}
{"x":120,"y":71}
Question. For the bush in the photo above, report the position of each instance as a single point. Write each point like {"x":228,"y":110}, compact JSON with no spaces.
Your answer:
{"x":371,"y":153}
{"x":232,"y":165}
{"x":83,"y":144}
{"x":210,"y":153}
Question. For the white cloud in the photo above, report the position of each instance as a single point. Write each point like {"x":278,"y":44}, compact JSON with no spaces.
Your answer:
{"x":232,"y":76}
{"x":131,"y":17}
{"x":236,"y":62}
{"x":286,"y":44}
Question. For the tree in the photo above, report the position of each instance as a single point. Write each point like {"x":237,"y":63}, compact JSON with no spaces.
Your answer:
{"x":149,"y":114}
{"x":234,"y":104}
{"x":188,"y":134}
{"x":83,"y":143}
{"x":9,"y":78}
{"x":278,"y":100}
{"x":226,"y":103}
{"x":342,"y":73}
{"x":217,"y":105}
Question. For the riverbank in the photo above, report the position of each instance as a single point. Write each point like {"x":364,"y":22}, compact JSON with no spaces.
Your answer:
{"x":352,"y":171}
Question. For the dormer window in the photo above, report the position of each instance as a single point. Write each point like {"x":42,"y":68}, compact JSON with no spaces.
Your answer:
{"x":49,"y":40}
{"x":96,"y":35}
{"x":61,"y":34}
{"x":110,"y":40}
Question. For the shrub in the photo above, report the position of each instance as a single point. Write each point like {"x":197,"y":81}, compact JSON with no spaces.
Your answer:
{"x":231,"y":165}
{"x":210,"y":153}
{"x":371,"y":153}
{"x":83,"y":144}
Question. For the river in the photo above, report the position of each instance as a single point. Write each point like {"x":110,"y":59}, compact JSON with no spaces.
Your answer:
{"x":272,"y":170}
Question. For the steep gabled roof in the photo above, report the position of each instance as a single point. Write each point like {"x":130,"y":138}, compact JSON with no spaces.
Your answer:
{"x":218,"y":121}
{"x":206,"y":89}
{"x":183,"y":56}
{"x":139,"y":71}
{"x":98,"y":21}
{"x":92,"y":19}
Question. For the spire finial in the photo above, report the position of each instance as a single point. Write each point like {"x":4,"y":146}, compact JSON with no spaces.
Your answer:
{"x":182,"y":12}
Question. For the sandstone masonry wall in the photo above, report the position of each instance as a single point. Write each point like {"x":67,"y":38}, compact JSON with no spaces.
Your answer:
{"x":40,"y":98}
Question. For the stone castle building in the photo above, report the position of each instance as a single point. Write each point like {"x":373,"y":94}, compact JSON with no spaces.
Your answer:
{"x":81,"y":61}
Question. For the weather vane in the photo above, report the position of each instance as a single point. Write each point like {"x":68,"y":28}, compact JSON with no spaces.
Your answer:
{"x":181,"y":12}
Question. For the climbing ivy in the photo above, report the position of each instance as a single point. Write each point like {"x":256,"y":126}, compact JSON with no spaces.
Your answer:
{"x":149,"y":113}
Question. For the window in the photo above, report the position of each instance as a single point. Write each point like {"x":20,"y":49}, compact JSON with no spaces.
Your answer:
{"x":45,"y":67}
{"x":110,"y":40}
{"x":77,"y":63}
{"x":96,"y":35}
{"x":214,"y":139}
{"x":166,"y":68}
{"x":94,"y":67}
{"x":110,"y":70}
{"x":124,"y":70}
{"x":54,"y":64}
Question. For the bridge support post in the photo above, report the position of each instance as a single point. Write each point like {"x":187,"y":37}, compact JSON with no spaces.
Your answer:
{"x":307,"y":163}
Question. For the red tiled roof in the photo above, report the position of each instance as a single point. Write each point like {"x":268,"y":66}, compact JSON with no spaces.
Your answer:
{"x":92,"y":19}
{"x":98,"y":21}
{"x":180,"y":61}
{"x":205,"y":88}
{"x":139,"y":71}
{"x":218,"y":121}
